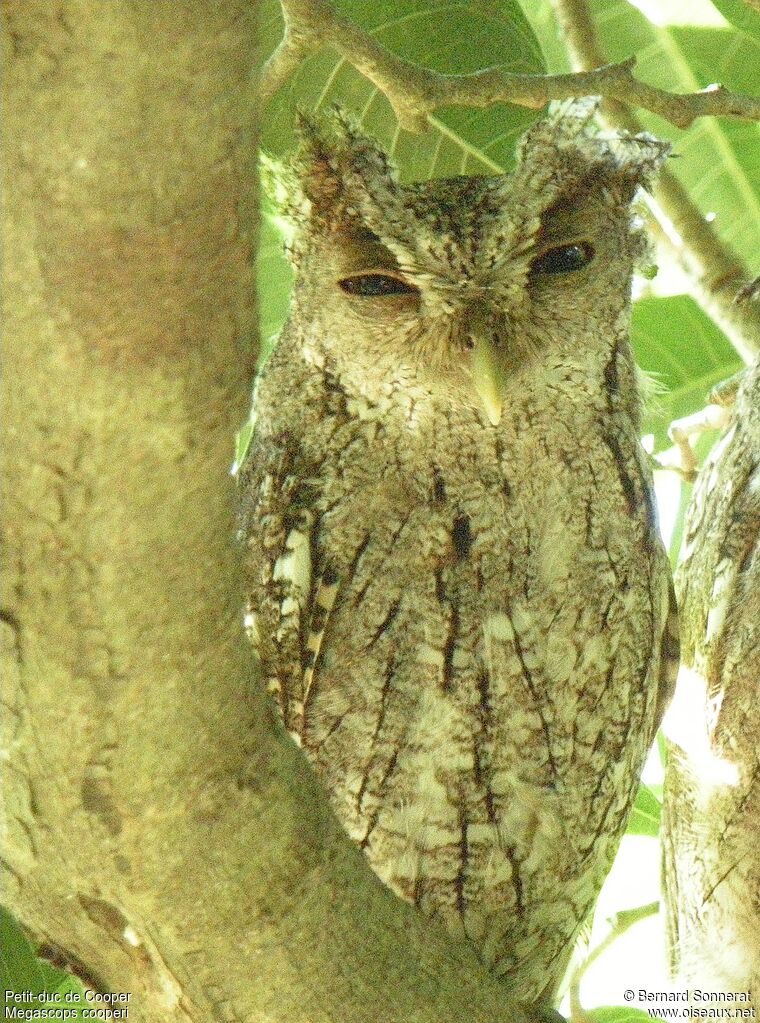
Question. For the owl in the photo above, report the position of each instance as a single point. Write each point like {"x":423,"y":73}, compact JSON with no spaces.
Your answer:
{"x":456,"y":587}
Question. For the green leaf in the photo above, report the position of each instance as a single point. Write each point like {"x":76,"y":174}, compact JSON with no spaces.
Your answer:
{"x":717,"y":158}
{"x":646,"y":813}
{"x":21,"y":972}
{"x":72,"y":995}
{"x":741,"y":16}
{"x":687,"y":353}
{"x":451,"y":36}
{"x":616,"y":1014}
{"x":19,"y":967}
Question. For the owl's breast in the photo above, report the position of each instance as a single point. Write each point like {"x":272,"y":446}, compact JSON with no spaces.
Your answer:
{"x":479,"y":646}
{"x":526,"y":559}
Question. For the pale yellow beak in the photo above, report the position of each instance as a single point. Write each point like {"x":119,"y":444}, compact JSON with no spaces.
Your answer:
{"x":488,"y":372}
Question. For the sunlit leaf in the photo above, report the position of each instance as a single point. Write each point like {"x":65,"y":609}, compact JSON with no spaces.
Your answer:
{"x":741,"y":16}
{"x":451,"y":36}
{"x":686,"y":352}
{"x":717,"y":158}
{"x":645,"y":816}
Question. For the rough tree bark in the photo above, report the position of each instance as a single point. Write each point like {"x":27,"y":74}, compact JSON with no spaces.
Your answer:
{"x":158,"y":831}
{"x":711,"y":824}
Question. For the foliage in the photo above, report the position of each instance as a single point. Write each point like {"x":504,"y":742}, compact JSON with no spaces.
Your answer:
{"x":42,"y":986}
{"x":645,"y":818}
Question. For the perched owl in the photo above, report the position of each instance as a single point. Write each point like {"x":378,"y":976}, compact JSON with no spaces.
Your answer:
{"x":456,"y":585}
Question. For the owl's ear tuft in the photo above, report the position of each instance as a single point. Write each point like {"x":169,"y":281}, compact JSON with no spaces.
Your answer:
{"x":639,"y":157}
{"x":335,"y":162}
{"x":564,"y":151}
{"x":339,"y":178}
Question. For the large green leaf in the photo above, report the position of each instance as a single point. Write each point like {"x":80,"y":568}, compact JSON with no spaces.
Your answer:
{"x":718,"y":159}
{"x":688,"y":354}
{"x":741,"y":16}
{"x":451,"y":37}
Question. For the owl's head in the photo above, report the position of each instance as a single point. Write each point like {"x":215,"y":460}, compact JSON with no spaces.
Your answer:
{"x":458,"y":287}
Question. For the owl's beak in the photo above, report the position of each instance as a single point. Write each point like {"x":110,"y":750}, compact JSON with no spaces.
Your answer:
{"x":488,"y":373}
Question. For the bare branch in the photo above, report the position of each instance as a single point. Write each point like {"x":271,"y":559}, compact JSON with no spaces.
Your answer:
{"x":714,"y":271}
{"x":415,"y":92}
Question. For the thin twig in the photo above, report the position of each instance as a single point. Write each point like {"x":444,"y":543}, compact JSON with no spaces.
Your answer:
{"x":415,"y":92}
{"x":619,"y":924}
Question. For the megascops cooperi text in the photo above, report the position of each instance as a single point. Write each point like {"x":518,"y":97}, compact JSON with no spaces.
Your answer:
{"x":456,"y":585}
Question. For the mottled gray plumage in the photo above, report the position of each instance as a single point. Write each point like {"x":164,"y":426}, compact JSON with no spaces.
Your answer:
{"x":457,"y":589}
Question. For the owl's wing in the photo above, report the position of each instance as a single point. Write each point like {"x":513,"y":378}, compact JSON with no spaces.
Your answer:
{"x":670,"y":656}
{"x":275,"y":522}
{"x":325,"y":593}
{"x":291,"y":596}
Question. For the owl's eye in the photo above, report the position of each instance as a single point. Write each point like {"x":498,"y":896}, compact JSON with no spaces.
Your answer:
{"x":565,"y":259}
{"x":376,"y":285}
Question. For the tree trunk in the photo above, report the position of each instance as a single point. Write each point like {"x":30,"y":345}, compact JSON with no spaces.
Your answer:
{"x":712,"y":791}
{"x":161,"y":835}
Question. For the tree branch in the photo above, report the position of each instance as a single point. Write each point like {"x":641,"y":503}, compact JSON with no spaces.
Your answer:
{"x":415,"y":92}
{"x":711,"y":804}
{"x":158,"y":833}
{"x":619,"y":924}
{"x":715,"y":273}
